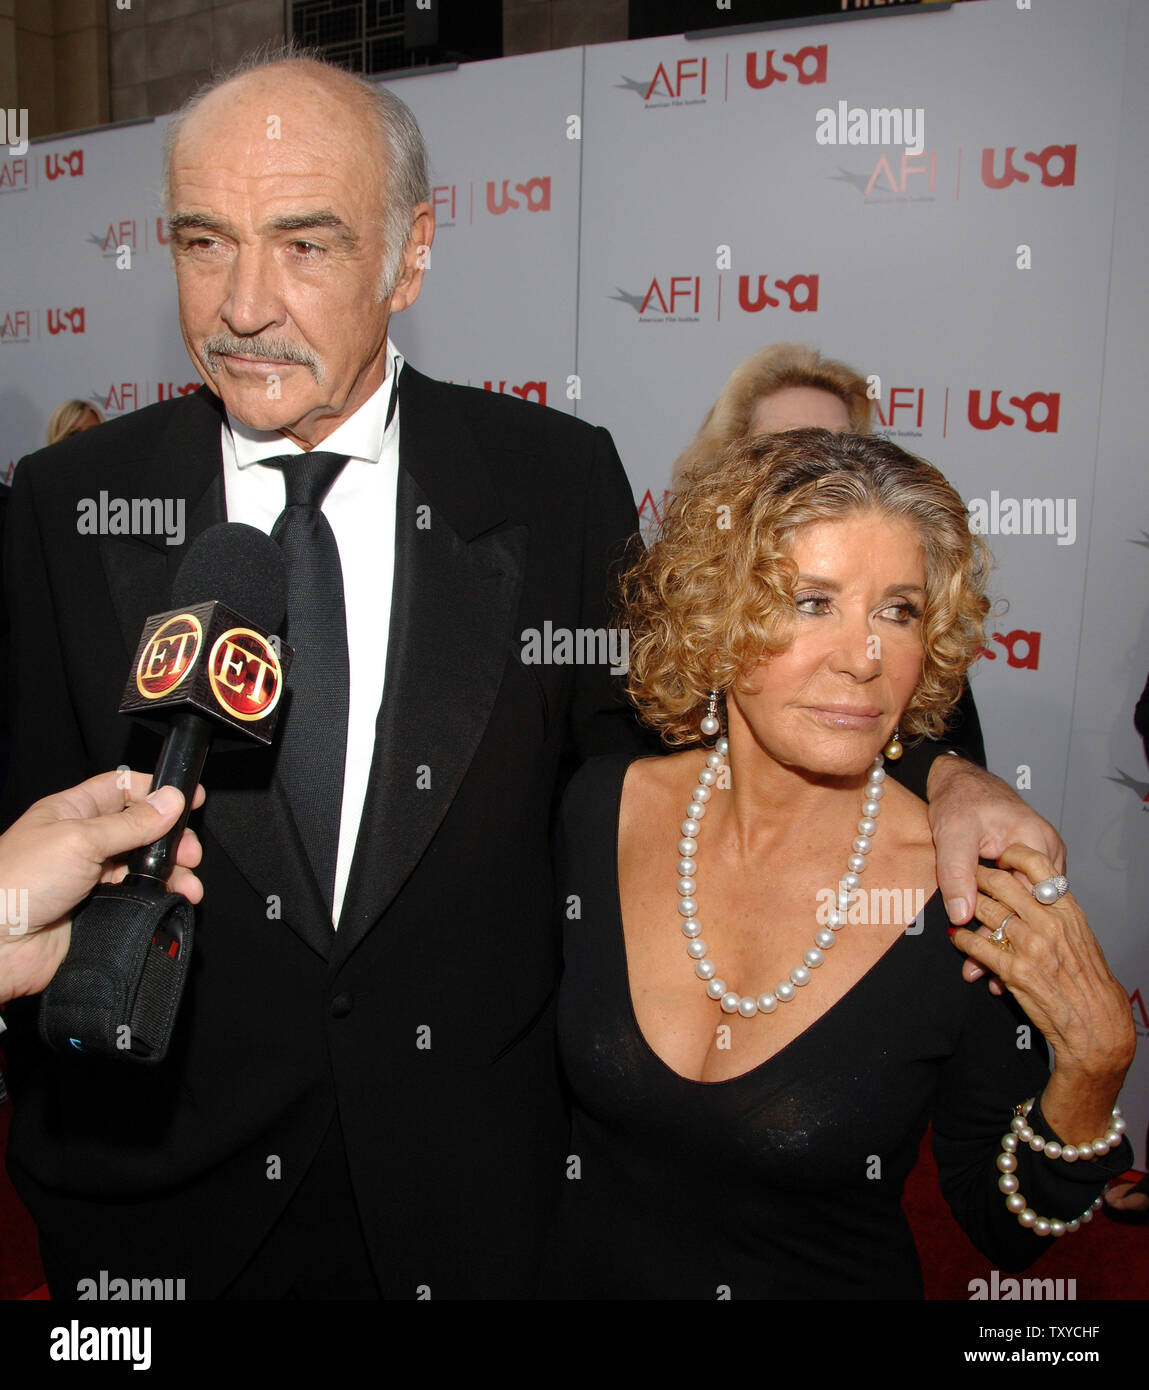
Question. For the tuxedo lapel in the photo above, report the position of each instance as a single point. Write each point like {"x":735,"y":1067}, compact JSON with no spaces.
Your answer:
{"x":248,"y":813}
{"x":458,"y":576}
{"x":246,"y":809}
{"x":184,"y":465}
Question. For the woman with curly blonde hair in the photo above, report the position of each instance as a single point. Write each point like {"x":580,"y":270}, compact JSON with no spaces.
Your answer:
{"x":756,"y":1044}
{"x":788,"y":386}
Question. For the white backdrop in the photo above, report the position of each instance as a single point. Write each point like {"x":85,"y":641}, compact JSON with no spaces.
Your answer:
{"x":584,"y":199}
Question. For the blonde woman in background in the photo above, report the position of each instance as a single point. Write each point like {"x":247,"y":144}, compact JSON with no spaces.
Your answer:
{"x":785,"y":386}
{"x":72,"y":417}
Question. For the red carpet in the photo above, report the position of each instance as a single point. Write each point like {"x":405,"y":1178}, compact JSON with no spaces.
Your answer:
{"x":1106,"y":1260}
{"x":21,"y":1272}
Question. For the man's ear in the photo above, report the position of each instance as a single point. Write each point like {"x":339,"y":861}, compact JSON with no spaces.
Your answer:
{"x":416,"y":258}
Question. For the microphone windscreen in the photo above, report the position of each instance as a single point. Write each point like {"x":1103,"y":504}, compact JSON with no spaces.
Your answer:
{"x":238,"y":565}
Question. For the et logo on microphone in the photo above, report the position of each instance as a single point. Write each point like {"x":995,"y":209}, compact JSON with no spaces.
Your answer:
{"x":168,"y":655}
{"x":209,"y":660}
{"x":245,"y":675}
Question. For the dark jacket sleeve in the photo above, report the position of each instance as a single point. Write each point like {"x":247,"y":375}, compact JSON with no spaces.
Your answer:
{"x":1141,"y":718}
{"x":963,"y":735}
{"x":964,"y":729}
{"x":4,"y":493}
{"x":47,"y":752}
{"x":602,"y":717}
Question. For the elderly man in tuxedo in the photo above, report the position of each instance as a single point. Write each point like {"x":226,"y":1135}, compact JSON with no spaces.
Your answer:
{"x":361,"y":1098}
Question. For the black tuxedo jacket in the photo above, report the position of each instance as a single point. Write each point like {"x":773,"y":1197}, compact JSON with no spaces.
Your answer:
{"x":425,"y":1021}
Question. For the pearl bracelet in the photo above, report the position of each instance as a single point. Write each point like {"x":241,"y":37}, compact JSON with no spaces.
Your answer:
{"x":1007,"y":1162}
{"x":1069,"y":1152}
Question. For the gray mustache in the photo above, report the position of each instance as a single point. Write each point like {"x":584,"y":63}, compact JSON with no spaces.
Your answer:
{"x":264,"y":349}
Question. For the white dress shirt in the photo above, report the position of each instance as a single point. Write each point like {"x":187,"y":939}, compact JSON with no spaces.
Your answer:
{"x":361,"y":510}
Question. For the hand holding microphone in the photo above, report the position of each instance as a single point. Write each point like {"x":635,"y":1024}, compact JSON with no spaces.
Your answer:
{"x":208,"y":668}
{"x":60,"y":848}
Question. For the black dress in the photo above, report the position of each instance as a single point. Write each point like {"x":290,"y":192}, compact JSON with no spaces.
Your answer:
{"x":784,"y":1182}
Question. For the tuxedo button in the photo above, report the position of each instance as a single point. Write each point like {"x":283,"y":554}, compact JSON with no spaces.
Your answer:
{"x":341,"y":1005}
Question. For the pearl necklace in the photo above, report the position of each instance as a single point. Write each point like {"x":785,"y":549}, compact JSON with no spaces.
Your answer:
{"x":704,"y":967}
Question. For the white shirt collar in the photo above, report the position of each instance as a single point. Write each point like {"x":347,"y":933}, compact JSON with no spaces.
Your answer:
{"x":359,"y":437}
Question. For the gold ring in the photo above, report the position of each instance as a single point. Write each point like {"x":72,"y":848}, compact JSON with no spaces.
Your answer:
{"x":998,"y":936}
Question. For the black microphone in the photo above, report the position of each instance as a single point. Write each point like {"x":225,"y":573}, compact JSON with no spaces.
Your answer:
{"x":202,"y":687}
{"x":205,"y":676}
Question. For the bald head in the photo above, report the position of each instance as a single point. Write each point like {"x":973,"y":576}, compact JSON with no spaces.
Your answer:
{"x":270,"y":88}
{"x":294,"y":240}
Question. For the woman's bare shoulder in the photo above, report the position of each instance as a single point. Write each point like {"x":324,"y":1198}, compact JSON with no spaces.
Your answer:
{"x":651,"y":783}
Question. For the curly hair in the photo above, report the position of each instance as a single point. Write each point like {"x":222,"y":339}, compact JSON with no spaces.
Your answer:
{"x":713,"y":596}
{"x":770,"y":369}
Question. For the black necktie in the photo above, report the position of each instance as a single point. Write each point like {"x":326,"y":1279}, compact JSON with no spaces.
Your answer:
{"x":313,"y":735}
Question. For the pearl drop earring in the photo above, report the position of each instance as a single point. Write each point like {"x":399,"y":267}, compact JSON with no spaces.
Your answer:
{"x":709,"y":724}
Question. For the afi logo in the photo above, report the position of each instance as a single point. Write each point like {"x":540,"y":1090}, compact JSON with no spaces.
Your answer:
{"x":16,"y":326}
{"x":536,"y":192}
{"x":56,"y":166}
{"x":118,"y":234}
{"x":805,"y":286}
{"x":443,"y":196}
{"x":650,"y":513}
{"x":1138,"y":1006}
{"x":124,"y":395}
{"x":1061,"y":176}
{"x":1028,"y":657}
{"x":907,"y":166}
{"x":663,"y":297}
{"x":13,"y":175}
{"x":902,"y":398}
{"x":809,"y":65}
{"x":685,"y":70}
{"x":1139,"y":789}
{"x":65,"y":320}
{"x":687,"y":287}
{"x":161,"y":232}
{"x":529,"y":390}
{"x":168,"y":390}
{"x":1047,"y":402}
